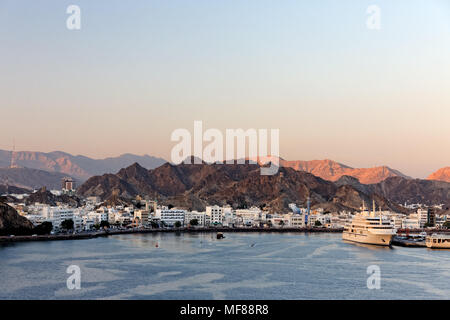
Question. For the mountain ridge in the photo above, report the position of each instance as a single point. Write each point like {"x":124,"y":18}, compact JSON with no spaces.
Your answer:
{"x":197,"y":185}
{"x":77,"y":166}
{"x":332,"y":170}
{"x":443,"y":174}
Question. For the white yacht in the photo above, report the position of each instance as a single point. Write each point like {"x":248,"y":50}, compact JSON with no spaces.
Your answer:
{"x":369,"y":228}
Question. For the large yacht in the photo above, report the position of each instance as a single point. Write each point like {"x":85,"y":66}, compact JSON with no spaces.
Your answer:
{"x":369,"y":228}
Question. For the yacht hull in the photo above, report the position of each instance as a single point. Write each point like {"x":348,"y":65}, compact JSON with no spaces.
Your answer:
{"x":375,"y":239}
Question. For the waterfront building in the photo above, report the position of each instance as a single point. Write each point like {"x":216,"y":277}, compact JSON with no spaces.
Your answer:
{"x":170,"y":216}
{"x":88,"y":223}
{"x":411,"y":223}
{"x":397,"y":221}
{"x":216,"y":214}
{"x":98,"y":216}
{"x":192,"y":215}
{"x":229,"y":219}
{"x":56,"y":215}
{"x":251,"y":217}
{"x":422,"y":216}
{"x":142,"y":216}
{"x":278,"y":220}
{"x":296,"y":220}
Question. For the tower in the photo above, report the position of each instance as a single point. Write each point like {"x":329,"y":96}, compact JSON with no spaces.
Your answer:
{"x":68,"y":185}
{"x":308,"y":210}
{"x":13,"y":156}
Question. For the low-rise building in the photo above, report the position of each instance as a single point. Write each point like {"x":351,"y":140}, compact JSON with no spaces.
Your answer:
{"x":195,"y":215}
{"x":170,"y":216}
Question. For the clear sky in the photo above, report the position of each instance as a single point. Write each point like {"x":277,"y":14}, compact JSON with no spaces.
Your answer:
{"x":137,"y":70}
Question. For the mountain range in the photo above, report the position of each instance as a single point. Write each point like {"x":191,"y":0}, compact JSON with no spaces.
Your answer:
{"x":196,"y":185}
{"x":331,"y":170}
{"x":27,"y":178}
{"x":37,"y":169}
{"x":79,"y":167}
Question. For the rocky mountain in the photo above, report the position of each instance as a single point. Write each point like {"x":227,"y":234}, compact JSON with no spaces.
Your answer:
{"x":13,"y":189}
{"x":13,"y":223}
{"x":442,"y":174}
{"x":79,"y":167}
{"x":333,"y":171}
{"x":46,"y":197}
{"x":30,"y":178}
{"x":402,"y":190}
{"x":195,"y":186}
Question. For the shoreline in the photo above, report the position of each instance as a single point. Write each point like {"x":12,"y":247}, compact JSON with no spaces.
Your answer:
{"x":82,"y":236}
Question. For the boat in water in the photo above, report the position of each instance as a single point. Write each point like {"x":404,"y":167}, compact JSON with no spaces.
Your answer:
{"x":220,"y":235}
{"x":438,"y":241}
{"x":369,"y":228}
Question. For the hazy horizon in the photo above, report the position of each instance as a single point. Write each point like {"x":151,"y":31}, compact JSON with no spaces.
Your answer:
{"x":136,"y":72}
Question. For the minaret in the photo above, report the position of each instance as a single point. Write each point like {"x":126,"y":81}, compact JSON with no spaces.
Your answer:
{"x":308,"y":211}
{"x":13,"y":160}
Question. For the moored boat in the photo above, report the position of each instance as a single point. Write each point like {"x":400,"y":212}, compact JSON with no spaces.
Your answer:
{"x":438,"y":241}
{"x":368,"y":228}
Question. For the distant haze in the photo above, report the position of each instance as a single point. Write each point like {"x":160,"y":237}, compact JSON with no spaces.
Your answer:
{"x":138,"y":70}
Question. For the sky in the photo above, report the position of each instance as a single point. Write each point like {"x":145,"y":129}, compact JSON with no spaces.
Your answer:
{"x":138,"y":70}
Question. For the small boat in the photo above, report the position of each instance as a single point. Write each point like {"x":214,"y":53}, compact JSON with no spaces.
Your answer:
{"x":220,"y":235}
{"x":438,"y":241}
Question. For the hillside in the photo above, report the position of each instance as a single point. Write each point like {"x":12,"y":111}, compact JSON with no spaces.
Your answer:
{"x":31,"y":178}
{"x":13,"y":223}
{"x":46,"y":197}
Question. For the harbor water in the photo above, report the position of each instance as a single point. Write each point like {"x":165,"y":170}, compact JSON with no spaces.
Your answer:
{"x":240,"y":266}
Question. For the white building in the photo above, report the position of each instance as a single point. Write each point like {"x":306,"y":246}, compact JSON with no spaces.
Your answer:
{"x":229,"y":218}
{"x":143,"y":216}
{"x":56,"y":215}
{"x":98,"y":216}
{"x":201,"y":217}
{"x":279,"y":220}
{"x":296,"y":220}
{"x":250,"y":217}
{"x":215,"y":214}
{"x":410,"y":223}
{"x":170,"y":216}
{"x":422,"y":216}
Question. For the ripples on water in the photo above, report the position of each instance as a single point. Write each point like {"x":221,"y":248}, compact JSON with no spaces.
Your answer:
{"x":241,"y":266}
